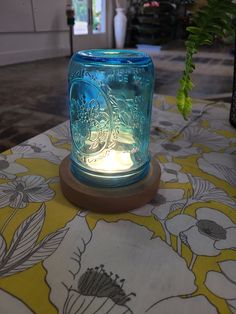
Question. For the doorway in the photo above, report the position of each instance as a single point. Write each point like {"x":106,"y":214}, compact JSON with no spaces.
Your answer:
{"x":91,"y":24}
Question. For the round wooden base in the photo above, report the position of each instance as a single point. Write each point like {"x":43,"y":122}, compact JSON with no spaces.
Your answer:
{"x":109,"y":200}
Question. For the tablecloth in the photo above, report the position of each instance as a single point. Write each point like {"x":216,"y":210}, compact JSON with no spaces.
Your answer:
{"x":176,"y":254}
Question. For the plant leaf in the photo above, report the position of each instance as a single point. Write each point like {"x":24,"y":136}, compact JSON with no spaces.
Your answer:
{"x":214,"y":19}
{"x":25,"y":237}
{"x":193,"y":29}
{"x":175,"y":206}
{"x":40,"y":252}
{"x":3,"y":247}
{"x":205,"y":191}
{"x":228,"y":173}
{"x":53,"y":180}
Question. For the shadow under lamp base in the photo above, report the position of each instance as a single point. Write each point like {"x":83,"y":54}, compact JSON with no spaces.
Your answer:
{"x":109,"y":200}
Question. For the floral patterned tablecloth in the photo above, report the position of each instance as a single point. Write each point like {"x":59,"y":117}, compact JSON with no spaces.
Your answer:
{"x":174,"y":255}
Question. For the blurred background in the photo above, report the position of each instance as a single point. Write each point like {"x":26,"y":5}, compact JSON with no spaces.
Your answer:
{"x":38,"y":37}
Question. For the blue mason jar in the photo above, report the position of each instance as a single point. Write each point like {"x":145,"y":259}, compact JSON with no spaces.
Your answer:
{"x":110,"y":98}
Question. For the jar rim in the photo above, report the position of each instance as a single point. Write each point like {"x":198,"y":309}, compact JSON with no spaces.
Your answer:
{"x":113,"y":56}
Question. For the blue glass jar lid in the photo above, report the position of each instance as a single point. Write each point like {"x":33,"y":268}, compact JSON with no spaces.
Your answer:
{"x":112,"y":56}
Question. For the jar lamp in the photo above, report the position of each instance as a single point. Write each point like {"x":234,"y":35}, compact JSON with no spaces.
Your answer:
{"x":110,"y":101}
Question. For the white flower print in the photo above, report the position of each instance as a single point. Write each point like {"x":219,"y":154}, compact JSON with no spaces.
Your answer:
{"x":231,"y":150}
{"x":165,"y":202}
{"x":97,"y":272}
{"x":172,"y":202}
{"x":218,"y":117}
{"x":41,"y":147}
{"x":171,"y":172}
{"x":10,"y":304}
{"x":61,"y":133}
{"x":221,"y":124}
{"x":201,"y":136}
{"x":164,"y":125}
{"x":205,"y":191}
{"x":221,"y":165}
{"x":9,"y":168}
{"x":161,"y":102}
{"x":178,"y":305}
{"x":223,"y":284}
{"x":20,"y":192}
{"x":202,"y":191}
{"x":177,"y":148}
{"x":207,"y":234}
{"x":219,"y":110}
{"x":167,"y":121}
{"x":161,"y":205}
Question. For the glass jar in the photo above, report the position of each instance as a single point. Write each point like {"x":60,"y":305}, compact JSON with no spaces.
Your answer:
{"x":110,"y":98}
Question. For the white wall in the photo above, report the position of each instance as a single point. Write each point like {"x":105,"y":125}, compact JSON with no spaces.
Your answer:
{"x":36,"y":29}
{"x":32,"y":29}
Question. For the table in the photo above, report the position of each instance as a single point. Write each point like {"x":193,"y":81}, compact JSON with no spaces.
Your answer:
{"x":174,"y":255}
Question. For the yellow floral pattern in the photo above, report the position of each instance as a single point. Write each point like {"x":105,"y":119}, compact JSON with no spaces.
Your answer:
{"x":180,"y":248}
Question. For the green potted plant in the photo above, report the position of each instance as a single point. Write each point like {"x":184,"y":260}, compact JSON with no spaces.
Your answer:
{"x":215,"y":19}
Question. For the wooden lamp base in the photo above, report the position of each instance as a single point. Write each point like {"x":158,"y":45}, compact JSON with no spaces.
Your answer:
{"x":109,"y":200}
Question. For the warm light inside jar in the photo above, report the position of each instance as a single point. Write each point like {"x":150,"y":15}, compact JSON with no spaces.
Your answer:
{"x":110,"y":109}
{"x":113,"y":161}
{"x":117,"y":157}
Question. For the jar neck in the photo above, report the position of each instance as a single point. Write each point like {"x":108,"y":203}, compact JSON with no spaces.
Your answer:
{"x":120,"y":10}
